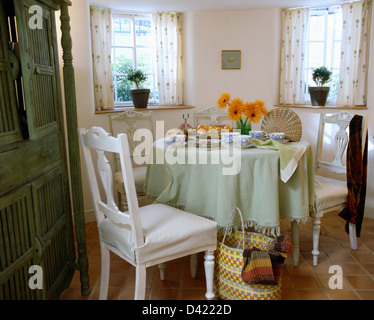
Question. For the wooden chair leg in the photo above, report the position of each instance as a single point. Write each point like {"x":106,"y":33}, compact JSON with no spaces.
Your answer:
{"x":352,"y":235}
{"x":140,"y":280}
{"x":209,"y":273}
{"x":316,"y":233}
{"x":105,"y":271}
{"x":295,"y":243}
{"x":193,"y":265}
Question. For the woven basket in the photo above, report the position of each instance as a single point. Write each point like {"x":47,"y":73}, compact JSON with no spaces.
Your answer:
{"x":228,"y":283}
{"x":283,"y":120}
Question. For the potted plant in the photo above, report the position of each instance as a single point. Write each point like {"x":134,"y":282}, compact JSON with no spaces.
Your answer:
{"x":139,"y":95}
{"x":318,"y":95}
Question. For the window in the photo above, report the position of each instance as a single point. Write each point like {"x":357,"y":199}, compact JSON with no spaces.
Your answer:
{"x":133,"y":47}
{"x":323,"y":46}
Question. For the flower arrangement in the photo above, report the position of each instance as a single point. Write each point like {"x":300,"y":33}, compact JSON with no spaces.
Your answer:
{"x":243,"y":113}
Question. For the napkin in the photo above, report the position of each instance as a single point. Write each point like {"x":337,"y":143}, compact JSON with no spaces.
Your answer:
{"x":289,"y":156}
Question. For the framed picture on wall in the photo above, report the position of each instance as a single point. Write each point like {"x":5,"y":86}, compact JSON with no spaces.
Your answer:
{"x":231,"y":59}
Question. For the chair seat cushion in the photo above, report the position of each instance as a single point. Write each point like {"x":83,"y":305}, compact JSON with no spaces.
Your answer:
{"x":167,"y":231}
{"x":329,"y":192}
{"x":139,"y":177}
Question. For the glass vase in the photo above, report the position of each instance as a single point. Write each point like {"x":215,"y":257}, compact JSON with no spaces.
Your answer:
{"x":244,"y":125}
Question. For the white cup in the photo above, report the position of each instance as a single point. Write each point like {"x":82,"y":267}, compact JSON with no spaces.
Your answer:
{"x":256,"y":134}
{"x":277,"y":136}
{"x":228,"y":137}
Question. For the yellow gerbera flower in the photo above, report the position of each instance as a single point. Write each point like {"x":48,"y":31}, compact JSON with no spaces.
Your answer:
{"x":252,"y":111}
{"x":235,"y":109}
{"x":223,"y":100}
{"x":261,"y":106}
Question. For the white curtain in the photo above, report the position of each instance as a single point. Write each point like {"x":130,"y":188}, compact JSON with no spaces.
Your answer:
{"x":293,"y":49}
{"x":354,"y":53}
{"x":101,"y":57}
{"x":168,"y":28}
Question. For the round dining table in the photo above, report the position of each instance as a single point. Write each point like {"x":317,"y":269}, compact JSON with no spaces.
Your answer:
{"x":268,"y":181}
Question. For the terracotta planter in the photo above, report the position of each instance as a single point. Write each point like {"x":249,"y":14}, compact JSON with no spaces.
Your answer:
{"x":318,"y":95}
{"x":140,"y":97}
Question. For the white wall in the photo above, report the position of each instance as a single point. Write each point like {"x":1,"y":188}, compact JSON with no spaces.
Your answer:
{"x":257,"y":34}
{"x":254,"y":32}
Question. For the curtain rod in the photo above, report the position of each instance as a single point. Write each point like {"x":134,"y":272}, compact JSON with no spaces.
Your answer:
{"x":323,"y":6}
{"x":116,"y":11}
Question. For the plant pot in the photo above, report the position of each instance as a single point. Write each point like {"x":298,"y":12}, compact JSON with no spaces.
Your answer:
{"x":140,"y":97}
{"x":318,"y":95}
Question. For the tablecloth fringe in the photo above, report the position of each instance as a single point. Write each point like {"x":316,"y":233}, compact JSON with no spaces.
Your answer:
{"x":271,"y":231}
{"x":298,"y":220}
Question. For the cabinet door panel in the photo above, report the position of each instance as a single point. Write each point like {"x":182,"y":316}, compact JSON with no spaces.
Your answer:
{"x":52,"y":229}
{"x":16,"y":244}
{"x":9,"y":123}
{"x":12,"y":170}
{"x":37,"y":50}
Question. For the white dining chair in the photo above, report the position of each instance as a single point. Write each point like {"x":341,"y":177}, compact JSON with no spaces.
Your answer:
{"x":128,"y":122}
{"x":331,"y":193}
{"x":143,"y":236}
{"x":212,"y":116}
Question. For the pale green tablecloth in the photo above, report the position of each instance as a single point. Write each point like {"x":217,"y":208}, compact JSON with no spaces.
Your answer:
{"x":257,"y":189}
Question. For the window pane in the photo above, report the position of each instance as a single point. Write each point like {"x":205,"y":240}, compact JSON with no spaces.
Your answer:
{"x":123,"y":59}
{"x":317,"y":28}
{"x":337,"y":53}
{"x":122,"y":34}
{"x":143,"y":32}
{"x":145,"y":59}
{"x":334,"y":83}
{"x":316,"y":54}
{"x":123,"y":89}
{"x":338,"y":24}
{"x":133,"y":46}
{"x":151,"y":84}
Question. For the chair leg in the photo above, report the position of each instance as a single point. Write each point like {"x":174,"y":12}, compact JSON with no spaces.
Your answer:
{"x":352,"y":235}
{"x":316,"y":233}
{"x":162,"y":267}
{"x":193,"y":265}
{"x":209,"y":273}
{"x":140,"y":280}
{"x":295,"y":243}
{"x":105,"y":270}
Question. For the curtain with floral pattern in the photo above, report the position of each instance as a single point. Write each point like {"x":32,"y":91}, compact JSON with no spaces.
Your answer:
{"x":354,"y":53}
{"x":168,"y":29}
{"x":293,"y":49}
{"x":101,"y":34}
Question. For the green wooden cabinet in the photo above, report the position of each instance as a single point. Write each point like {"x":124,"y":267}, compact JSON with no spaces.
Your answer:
{"x":36,"y":227}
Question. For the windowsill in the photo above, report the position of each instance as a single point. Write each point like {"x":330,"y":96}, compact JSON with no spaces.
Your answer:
{"x":149,"y":107}
{"x":327,"y":107}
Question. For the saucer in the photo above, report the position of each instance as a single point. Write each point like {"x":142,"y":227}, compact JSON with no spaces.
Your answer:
{"x":250,"y":145}
{"x":206,"y":143}
{"x":282,"y":141}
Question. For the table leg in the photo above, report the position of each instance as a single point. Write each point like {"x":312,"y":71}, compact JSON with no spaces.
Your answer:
{"x":295,"y":243}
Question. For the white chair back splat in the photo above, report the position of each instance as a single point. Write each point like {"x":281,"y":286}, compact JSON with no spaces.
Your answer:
{"x":129,"y":122}
{"x":215,"y":116}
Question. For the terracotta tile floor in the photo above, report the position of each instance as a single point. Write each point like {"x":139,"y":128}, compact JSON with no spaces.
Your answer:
{"x":304,"y":282}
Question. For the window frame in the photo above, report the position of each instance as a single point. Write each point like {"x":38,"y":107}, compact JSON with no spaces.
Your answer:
{"x":133,"y":17}
{"x":324,"y":11}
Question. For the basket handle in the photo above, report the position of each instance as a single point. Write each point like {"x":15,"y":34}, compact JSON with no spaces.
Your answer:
{"x":241,"y":219}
